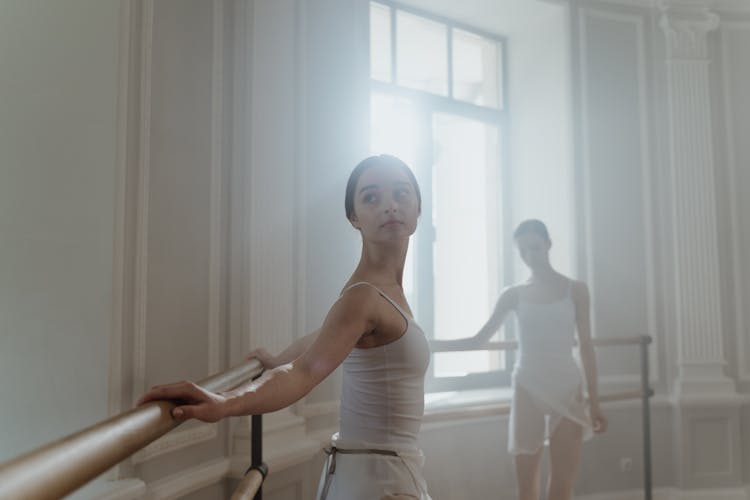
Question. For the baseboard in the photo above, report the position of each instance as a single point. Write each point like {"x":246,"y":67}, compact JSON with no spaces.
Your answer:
{"x":188,"y":480}
{"x":122,"y":489}
{"x":712,"y":494}
{"x":674,"y":494}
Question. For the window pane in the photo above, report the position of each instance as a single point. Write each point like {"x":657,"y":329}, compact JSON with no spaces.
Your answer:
{"x":466,"y":215}
{"x":476,"y":72}
{"x":421,"y":54}
{"x":458,"y":364}
{"x":380,"y":42}
{"x":394,"y":129}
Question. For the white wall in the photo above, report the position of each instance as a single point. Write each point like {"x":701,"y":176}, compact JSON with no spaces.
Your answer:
{"x":58,"y":132}
{"x":541,"y":129}
{"x":614,"y":182}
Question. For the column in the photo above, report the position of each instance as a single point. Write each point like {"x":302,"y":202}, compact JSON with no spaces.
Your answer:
{"x":706,"y":408}
{"x":695,"y":241}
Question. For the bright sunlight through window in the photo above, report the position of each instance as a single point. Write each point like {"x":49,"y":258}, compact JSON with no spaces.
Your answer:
{"x":437,"y":102}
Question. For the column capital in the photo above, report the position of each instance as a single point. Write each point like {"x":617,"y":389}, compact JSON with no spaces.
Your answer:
{"x":686,"y":25}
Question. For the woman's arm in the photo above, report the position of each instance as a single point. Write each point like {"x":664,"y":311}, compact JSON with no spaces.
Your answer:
{"x":353,"y":315}
{"x":288,"y":355}
{"x":588,"y":356}
{"x":504,"y":305}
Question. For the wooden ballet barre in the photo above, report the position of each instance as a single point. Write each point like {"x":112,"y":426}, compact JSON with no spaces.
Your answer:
{"x":249,"y":485}
{"x":624,"y":395}
{"x":503,"y":407}
{"x":614,"y":341}
{"x":60,"y":467}
{"x":511,"y":345}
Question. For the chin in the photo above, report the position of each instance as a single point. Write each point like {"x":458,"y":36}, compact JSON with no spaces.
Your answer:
{"x":397,"y":237}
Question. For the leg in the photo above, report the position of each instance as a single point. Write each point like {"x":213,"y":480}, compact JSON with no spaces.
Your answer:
{"x":526,"y":442}
{"x":527,"y":474}
{"x":565,"y":457}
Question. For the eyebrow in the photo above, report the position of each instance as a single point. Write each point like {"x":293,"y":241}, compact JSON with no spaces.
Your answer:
{"x":375,"y":186}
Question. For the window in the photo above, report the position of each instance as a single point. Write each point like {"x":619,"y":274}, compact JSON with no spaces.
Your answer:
{"x":437,"y":101}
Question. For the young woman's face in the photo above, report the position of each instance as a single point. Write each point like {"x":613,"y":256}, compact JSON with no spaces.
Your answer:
{"x":385,"y":204}
{"x":534,"y":250}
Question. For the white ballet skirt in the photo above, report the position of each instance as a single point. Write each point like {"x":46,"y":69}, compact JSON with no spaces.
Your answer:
{"x":382,"y":403}
{"x":365,"y":475}
{"x":547,"y":381}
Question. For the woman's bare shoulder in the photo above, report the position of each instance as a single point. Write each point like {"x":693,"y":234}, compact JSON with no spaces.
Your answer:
{"x":509,"y":295}
{"x":358,"y":293}
{"x":355,"y":307}
{"x":579,"y":290}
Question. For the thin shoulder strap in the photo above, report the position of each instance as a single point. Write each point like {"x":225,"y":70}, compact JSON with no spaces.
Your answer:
{"x":382,"y":294}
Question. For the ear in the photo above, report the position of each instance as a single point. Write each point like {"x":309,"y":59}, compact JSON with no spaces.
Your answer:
{"x":354,"y":222}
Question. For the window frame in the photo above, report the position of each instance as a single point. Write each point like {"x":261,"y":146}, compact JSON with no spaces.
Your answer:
{"x":427,"y":105}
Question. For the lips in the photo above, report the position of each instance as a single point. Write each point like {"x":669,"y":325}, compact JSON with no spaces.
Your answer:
{"x":391,"y":223}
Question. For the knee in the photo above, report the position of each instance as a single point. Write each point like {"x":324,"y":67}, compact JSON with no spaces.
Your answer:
{"x":528,"y":487}
{"x":560,"y":488}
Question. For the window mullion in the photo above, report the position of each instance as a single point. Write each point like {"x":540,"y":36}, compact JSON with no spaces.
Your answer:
{"x":394,"y":66}
{"x":449,"y":41}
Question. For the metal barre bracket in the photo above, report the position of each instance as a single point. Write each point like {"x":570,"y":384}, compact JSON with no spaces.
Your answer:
{"x":261,"y":467}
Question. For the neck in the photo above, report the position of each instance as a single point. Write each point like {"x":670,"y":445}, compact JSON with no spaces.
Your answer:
{"x":383,"y":263}
{"x":543,"y":273}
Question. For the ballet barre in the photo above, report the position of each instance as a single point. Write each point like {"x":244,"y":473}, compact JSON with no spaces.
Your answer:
{"x":58,"y":468}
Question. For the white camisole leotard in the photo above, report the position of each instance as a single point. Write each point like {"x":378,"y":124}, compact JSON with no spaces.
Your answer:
{"x":382,"y":402}
{"x":547,"y":380}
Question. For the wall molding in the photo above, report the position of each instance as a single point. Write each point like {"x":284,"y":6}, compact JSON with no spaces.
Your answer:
{"x":116,"y":376}
{"x":319,"y":409}
{"x":188,"y":480}
{"x":710,"y":400}
{"x":580,"y":71}
{"x":141,"y":257}
{"x":118,"y":281}
{"x":301,"y":166}
{"x":686,"y":29}
{"x":278,"y":460}
{"x":123,"y":489}
{"x":645,"y":152}
{"x":202,"y":432}
{"x":722,"y":5}
{"x":732,"y":466}
{"x":270,"y":236}
{"x":643,"y":4}
{"x":216,"y":198}
{"x":239,"y":226}
{"x":626,"y":381}
{"x":740,"y":291}
{"x":175,"y":441}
